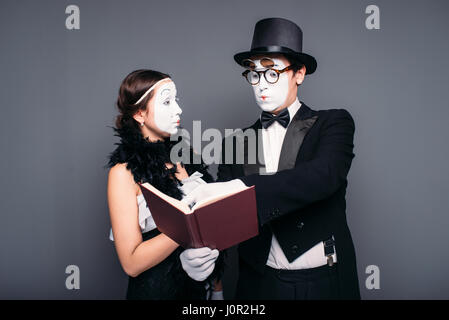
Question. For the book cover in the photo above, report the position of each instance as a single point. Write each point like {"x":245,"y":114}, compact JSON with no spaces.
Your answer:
{"x":218,"y":224}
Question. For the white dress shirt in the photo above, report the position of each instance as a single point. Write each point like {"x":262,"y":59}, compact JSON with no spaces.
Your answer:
{"x":272,"y":139}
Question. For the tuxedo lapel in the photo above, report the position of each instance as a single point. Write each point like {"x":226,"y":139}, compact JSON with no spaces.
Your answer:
{"x":296,"y":131}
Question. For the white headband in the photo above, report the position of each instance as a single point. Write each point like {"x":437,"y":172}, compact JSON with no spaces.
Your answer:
{"x":148,"y":91}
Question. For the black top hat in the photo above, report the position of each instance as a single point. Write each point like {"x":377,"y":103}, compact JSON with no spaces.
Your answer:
{"x":277,"y":35}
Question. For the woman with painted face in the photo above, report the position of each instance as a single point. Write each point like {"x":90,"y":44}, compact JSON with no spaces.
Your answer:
{"x":149,"y":115}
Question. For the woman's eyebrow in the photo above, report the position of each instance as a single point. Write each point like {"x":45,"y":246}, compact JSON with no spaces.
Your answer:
{"x":165,"y":92}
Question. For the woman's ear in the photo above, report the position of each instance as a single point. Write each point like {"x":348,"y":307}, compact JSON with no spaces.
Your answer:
{"x":139,"y":116}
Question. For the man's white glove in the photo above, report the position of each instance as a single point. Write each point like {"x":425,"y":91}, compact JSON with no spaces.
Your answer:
{"x":209,"y":190}
{"x":199,"y":263}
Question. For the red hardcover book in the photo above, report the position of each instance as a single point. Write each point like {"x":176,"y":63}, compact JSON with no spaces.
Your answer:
{"x":218,"y":223}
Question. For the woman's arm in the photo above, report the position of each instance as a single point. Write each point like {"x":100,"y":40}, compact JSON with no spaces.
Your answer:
{"x":135,"y":255}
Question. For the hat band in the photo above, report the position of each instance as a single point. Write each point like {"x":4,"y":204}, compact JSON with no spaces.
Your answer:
{"x":274,"y":49}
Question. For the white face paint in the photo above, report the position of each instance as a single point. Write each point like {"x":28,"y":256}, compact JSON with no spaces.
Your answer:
{"x":166,"y":108}
{"x":270,"y":96}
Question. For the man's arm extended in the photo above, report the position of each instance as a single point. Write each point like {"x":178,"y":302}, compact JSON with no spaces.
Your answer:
{"x":309,"y":181}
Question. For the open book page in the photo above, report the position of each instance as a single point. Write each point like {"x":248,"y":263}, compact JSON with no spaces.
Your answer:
{"x":174,"y":202}
{"x":184,"y":207}
{"x":216,"y":197}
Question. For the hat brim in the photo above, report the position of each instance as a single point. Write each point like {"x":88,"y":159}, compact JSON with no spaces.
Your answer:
{"x":303,"y":58}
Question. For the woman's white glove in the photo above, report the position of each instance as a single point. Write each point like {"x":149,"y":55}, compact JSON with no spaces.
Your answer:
{"x":199,"y":263}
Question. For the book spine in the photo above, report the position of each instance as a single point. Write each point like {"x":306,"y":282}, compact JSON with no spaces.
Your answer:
{"x":194,"y":231}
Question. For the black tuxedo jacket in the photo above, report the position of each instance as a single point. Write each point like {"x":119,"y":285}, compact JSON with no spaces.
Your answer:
{"x":304,"y":202}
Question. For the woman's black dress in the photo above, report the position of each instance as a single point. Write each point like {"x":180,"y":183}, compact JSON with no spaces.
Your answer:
{"x":146,"y":160}
{"x":165,"y":281}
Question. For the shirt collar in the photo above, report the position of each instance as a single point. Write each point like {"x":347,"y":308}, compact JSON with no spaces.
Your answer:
{"x":293,"y":108}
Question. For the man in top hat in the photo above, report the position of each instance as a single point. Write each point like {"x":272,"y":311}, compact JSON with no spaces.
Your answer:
{"x":304,"y":249}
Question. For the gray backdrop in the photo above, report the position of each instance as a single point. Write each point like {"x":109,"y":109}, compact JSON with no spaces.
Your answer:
{"x":58,"y":89}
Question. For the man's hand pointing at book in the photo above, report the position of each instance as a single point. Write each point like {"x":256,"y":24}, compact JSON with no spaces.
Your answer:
{"x":212,"y":190}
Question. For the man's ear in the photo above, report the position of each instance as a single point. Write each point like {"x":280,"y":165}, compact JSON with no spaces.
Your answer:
{"x":299,"y":75}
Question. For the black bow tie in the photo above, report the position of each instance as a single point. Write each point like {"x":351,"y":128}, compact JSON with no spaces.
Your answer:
{"x":267,"y":118}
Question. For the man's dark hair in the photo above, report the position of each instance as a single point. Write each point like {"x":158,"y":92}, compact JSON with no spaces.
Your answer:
{"x":296,"y":65}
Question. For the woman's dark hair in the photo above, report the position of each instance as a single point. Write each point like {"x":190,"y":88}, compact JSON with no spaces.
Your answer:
{"x":132,"y":88}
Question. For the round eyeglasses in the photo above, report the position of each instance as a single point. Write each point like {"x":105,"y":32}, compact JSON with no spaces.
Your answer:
{"x":271,"y":75}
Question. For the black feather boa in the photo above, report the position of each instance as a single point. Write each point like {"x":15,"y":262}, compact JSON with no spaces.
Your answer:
{"x":146,"y":160}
